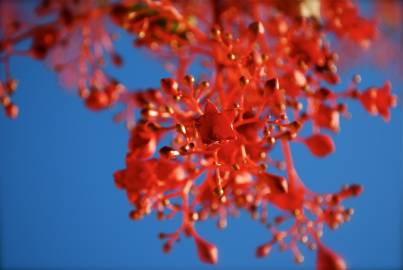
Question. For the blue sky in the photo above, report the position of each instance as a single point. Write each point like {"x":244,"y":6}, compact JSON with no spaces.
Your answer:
{"x":60,"y":208}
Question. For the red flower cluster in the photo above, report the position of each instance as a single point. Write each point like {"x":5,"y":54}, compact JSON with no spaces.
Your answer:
{"x":202,"y":147}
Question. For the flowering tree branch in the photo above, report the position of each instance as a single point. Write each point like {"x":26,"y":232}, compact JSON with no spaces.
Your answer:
{"x":270,"y":70}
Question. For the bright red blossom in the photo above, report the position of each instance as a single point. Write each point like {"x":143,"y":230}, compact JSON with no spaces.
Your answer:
{"x":214,"y":126}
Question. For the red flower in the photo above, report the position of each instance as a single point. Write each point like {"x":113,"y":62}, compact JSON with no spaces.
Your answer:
{"x":327,"y":117}
{"x":214,"y":126}
{"x":379,"y":100}
{"x":138,"y":176}
{"x":142,"y":143}
{"x":151,"y":176}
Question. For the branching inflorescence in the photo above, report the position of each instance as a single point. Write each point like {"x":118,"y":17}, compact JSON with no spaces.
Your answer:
{"x":201,"y":147}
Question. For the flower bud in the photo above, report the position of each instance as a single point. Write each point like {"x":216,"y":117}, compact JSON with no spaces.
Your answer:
{"x":320,"y":145}
{"x":263,"y":250}
{"x":256,"y":29}
{"x":208,"y":253}
{"x":327,"y":259}
{"x":97,"y":100}
{"x":170,"y":86}
{"x":11,"y":110}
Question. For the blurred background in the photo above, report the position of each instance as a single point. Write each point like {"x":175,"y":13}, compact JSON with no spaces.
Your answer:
{"x":61,"y":210}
